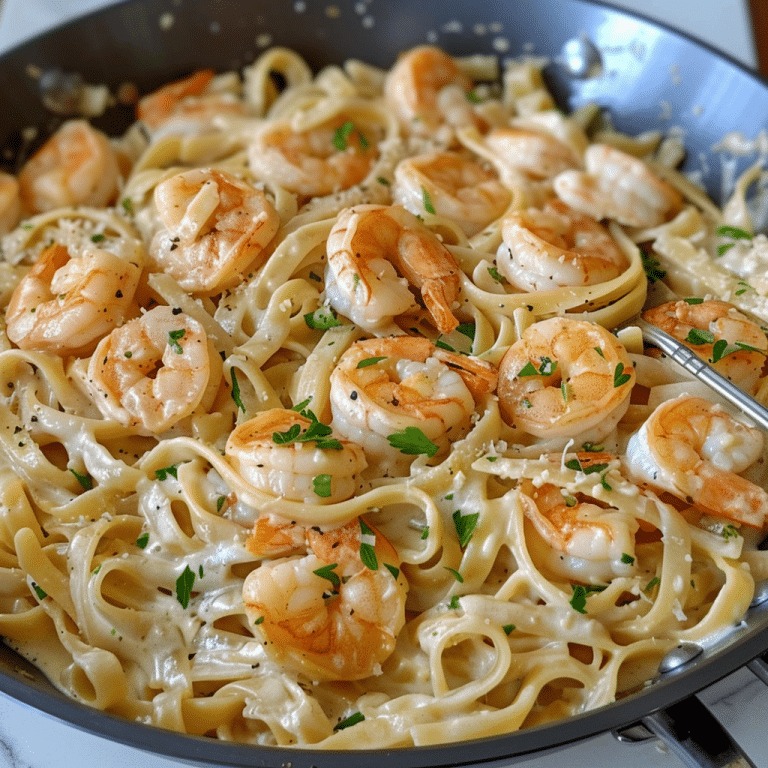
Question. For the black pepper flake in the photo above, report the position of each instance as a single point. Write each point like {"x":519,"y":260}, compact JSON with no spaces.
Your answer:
{"x":353,"y":395}
{"x":176,"y":311}
{"x":118,"y":294}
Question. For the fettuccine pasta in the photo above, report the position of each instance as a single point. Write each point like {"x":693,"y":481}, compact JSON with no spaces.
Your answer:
{"x":314,"y":429}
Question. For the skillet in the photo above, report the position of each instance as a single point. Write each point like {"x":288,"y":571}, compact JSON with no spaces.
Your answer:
{"x":643,"y":74}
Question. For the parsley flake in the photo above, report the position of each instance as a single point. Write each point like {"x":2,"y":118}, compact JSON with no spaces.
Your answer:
{"x":173,"y":340}
{"x":627,"y":559}
{"x":509,"y":628}
{"x":86,"y":481}
{"x":453,"y":603}
{"x":184,"y":585}
{"x":496,"y":275}
{"x":322,"y":319}
{"x":367,"y":549}
{"x":619,"y":377}
{"x":328,"y":572}
{"x":316,"y":432}
{"x":394,"y":570}
{"x":465,"y":526}
{"x":39,"y":591}
{"x":652,"y":268}
{"x":412,"y":441}
{"x":353,"y":719}
{"x":427,"y":201}
{"x":143,"y":540}
{"x":321,"y":485}
{"x":580,"y":592}
{"x":697,"y":336}
{"x":370,"y":361}
{"x":235,"y":391}
{"x":165,"y":472}
{"x":456,"y":575}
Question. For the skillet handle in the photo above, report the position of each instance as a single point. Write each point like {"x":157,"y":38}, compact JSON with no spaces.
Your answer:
{"x":693,"y":734}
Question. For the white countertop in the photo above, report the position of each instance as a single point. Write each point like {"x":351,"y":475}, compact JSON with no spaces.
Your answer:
{"x":29,"y":739}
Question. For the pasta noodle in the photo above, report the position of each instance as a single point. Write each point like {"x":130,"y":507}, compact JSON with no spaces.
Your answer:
{"x":291,"y":456}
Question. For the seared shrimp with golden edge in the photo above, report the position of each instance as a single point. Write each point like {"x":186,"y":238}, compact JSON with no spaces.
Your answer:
{"x":719,"y":333}
{"x":385,"y":391}
{"x":426,"y":89}
{"x":556,"y":246}
{"x":618,"y":186}
{"x":695,"y":449}
{"x":335,"y":613}
{"x":375,"y":254}
{"x":153,"y":371}
{"x":76,"y":166}
{"x":451,"y":185}
{"x":565,"y":378}
{"x":214,"y":228}
{"x":65,"y":305}
{"x":185,"y":98}
{"x":10,"y":202}
{"x":534,"y":154}
{"x":579,"y":538}
{"x":317,"y":161}
{"x":294,"y":456}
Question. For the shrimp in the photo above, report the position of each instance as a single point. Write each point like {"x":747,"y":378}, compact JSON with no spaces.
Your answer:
{"x":374,"y":253}
{"x":695,"y":449}
{"x":535,"y":154}
{"x":700,"y":325}
{"x":327,"y":158}
{"x":385,"y":389}
{"x":565,"y":378}
{"x":65,"y":304}
{"x":334,"y":613}
{"x":582,"y":540}
{"x":451,"y":185}
{"x":420,"y":87}
{"x":76,"y":166}
{"x":153,"y":371}
{"x":215,"y":227}
{"x":557,"y":246}
{"x":185,"y":98}
{"x":295,"y":456}
{"x":10,"y":202}
{"x":618,"y":186}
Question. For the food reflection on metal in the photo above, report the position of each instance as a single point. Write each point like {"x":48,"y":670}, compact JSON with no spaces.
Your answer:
{"x":67,"y":94}
{"x":581,"y":58}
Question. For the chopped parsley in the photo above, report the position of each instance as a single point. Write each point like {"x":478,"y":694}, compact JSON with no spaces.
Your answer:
{"x":696,"y":336}
{"x":590,"y":469}
{"x":173,"y":340}
{"x":743,"y":288}
{"x":655,"y":581}
{"x":652,"y":267}
{"x":424,"y":533}
{"x":39,"y":591}
{"x":321,"y":485}
{"x":733,"y":234}
{"x":127,"y":205}
{"x":580,"y":592}
{"x":367,"y":549}
{"x":328,"y":572}
{"x":316,"y":432}
{"x":426,"y":199}
{"x":184,"y":585}
{"x":627,"y":559}
{"x":456,"y":575}
{"x":220,"y":503}
{"x":412,"y":441}
{"x":729,"y":532}
{"x":508,"y":628}
{"x":465,"y":526}
{"x":322,"y":319}
{"x":592,"y":447}
{"x":165,"y":472}
{"x":546,"y":368}
{"x":353,"y":719}
{"x":370,"y":361}
{"x":496,"y":275}
{"x":467,"y":329}
{"x":619,"y":377}
{"x":394,"y":570}
{"x":343,"y":133}
{"x":693,"y":300}
{"x":97,"y":238}
{"x":453,"y":603}
{"x":143,"y":540}
{"x":235,"y":392}
{"x":86,"y":481}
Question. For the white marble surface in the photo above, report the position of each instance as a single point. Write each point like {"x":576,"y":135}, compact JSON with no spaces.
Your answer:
{"x":29,"y":739}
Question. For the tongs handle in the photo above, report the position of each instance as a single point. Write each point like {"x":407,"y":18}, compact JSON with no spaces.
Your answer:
{"x":703,"y":372}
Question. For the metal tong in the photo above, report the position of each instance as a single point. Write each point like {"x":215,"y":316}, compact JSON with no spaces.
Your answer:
{"x":658,"y":293}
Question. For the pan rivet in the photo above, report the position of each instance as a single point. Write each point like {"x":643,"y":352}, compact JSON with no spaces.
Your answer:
{"x":581,"y":58}
{"x":678,"y":657}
